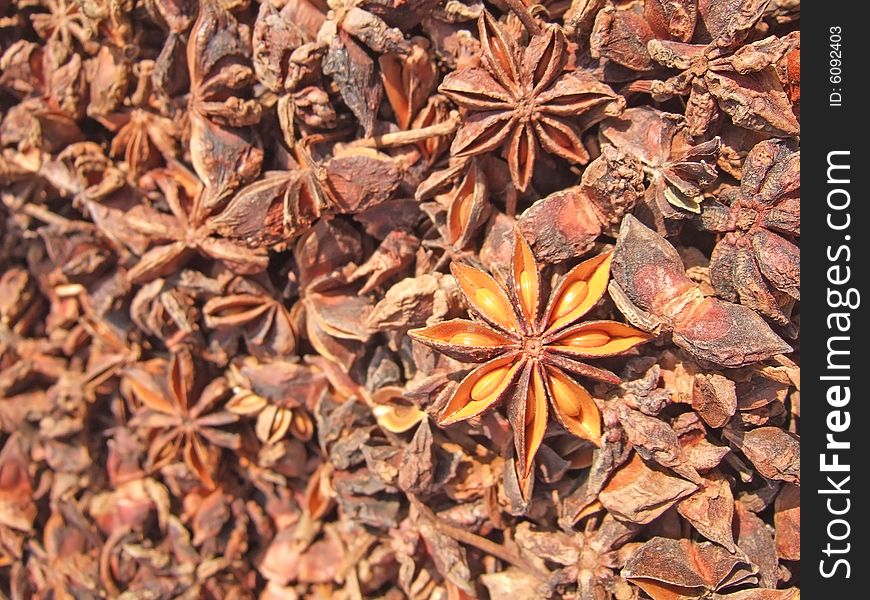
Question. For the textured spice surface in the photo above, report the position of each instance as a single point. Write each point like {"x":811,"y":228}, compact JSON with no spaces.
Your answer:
{"x":393,"y":299}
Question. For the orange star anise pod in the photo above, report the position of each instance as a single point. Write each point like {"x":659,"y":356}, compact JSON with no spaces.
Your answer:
{"x":531,"y":351}
{"x":523,"y":99}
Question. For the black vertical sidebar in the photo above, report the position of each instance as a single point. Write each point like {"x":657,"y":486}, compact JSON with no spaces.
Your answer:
{"x":834,"y":447}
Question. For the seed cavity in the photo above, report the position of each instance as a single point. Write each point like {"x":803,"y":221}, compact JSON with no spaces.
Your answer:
{"x":533,"y":346}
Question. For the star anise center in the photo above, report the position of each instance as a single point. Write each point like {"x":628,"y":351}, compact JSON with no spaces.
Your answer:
{"x":747,"y":214}
{"x":516,"y":88}
{"x":533,"y":346}
{"x":139,"y":117}
{"x":191,"y":238}
{"x":699,"y":65}
{"x":526,"y":108}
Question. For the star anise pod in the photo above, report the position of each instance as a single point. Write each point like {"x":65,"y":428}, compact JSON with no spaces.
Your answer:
{"x":188,"y":230}
{"x":723,"y":80}
{"x":64,"y":562}
{"x":250,"y":310}
{"x":409,"y":80}
{"x":61,"y":27}
{"x":621,"y":34}
{"x":348,"y":33}
{"x":21,"y":71}
{"x":33,"y":125}
{"x":334,"y":311}
{"x":16,"y":499}
{"x":589,"y":558}
{"x":567,"y":223}
{"x":667,"y":568}
{"x":179,"y":416}
{"x":652,"y":289}
{"x":706,"y":41}
{"x":757,"y":262}
{"x":143,"y":137}
{"x":525,"y":100}
{"x":20,"y":302}
{"x":274,"y":209}
{"x":531,"y":349}
{"x":224,"y":150}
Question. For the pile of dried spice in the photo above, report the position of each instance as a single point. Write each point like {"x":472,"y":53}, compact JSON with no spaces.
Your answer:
{"x":400,"y":299}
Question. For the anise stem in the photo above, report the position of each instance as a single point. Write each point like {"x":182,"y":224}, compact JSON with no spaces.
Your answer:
{"x":411,"y":136}
{"x":325,"y":138}
{"x":143,"y":71}
{"x":639,"y":86}
{"x":46,"y":216}
{"x":481,"y":543}
{"x":522,"y":13}
{"x":105,"y":564}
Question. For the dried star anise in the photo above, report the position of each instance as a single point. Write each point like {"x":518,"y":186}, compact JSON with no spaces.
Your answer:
{"x":668,"y":568}
{"x":652,"y":290}
{"x":186,"y":231}
{"x":250,"y":310}
{"x":347,"y":31}
{"x":521,"y":101}
{"x":180,"y":416}
{"x":409,"y":80}
{"x":589,"y":557}
{"x":224,"y":150}
{"x":567,"y":223}
{"x":756,"y":261}
{"x":219,"y":220}
{"x":739,"y":81}
{"x":144,"y":138}
{"x":622,"y":33}
{"x":531,"y":349}
{"x":62,"y":26}
{"x":471,"y":182}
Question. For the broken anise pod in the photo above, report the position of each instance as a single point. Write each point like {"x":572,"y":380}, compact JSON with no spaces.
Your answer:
{"x":651,"y":288}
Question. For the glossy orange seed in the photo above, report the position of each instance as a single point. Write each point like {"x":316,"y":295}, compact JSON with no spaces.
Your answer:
{"x":487,"y":384}
{"x":563,"y":395}
{"x":460,"y":215}
{"x":527,"y":290}
{"x":530,"y":409}
{"x":594,"y":338}
{"x":570,"y":298}
{"x":467,"y":338}
{"x":491,"y":304}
